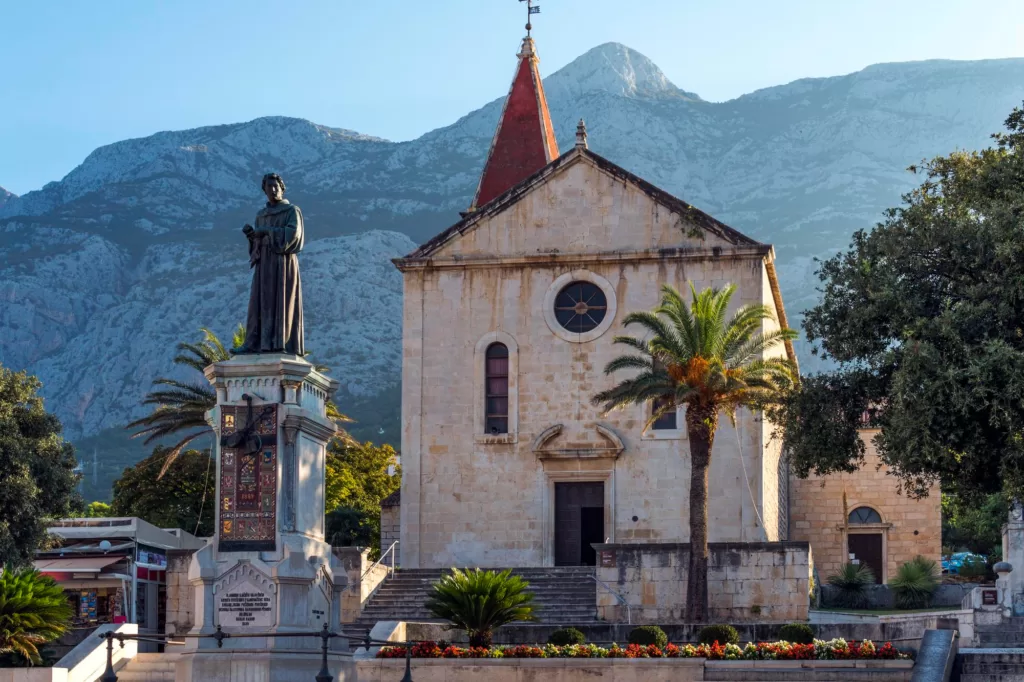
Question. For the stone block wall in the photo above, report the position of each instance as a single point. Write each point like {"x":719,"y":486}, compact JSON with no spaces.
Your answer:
{"x":362,"y":580}
{"x":390,"y":524}
{"x":909,"y":527}
{"x":180,"y":593}
{"x":747,"y":581}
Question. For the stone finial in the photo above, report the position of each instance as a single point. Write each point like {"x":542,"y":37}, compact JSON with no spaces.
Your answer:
{"x":581,"y":135}
{"x":528,"y":49}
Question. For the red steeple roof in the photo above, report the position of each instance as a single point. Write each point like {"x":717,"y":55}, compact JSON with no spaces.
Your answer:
{"x":525,"y":140}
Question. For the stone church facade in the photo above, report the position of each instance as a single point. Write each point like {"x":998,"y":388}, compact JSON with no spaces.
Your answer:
{"x":509,"y":320}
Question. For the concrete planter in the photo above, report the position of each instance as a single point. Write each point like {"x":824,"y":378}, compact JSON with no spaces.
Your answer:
{"x":537,"y":669}
{"x":620,"y":669}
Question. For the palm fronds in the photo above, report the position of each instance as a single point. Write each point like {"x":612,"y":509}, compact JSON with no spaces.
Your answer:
{"x":478,"y":601}
{"x":33,"y":611}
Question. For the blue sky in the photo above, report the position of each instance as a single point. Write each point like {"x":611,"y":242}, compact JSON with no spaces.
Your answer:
{"x":77,"y":75}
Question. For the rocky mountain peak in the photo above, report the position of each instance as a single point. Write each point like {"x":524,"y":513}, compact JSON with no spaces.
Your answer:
{"x":6,"y":196}
{"x":616,"y":69}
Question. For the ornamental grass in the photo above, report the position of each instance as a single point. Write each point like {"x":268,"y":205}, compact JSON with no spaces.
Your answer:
{"x":820,"y":650}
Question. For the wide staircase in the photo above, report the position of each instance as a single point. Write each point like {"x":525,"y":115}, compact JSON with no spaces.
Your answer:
{"x":565,"y":595}
{"x":999,"y":656}
{"x":149,"y":668}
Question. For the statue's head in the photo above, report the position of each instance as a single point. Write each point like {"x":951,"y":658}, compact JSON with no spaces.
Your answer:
{"x":273,"y":187}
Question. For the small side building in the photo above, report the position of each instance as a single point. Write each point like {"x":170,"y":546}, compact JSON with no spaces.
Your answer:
{"x":878,"y":526}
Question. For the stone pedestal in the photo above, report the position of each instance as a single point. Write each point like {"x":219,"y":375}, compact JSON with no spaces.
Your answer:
{"x":268,"y":568}
{"x":1013,"y":554}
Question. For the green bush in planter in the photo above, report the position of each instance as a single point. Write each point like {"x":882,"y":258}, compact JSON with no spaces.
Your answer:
{"x":645,"y":635}
{"x":567,"y":636}
{"x":852,"y":582}
{"x":796,"y":633}
{"x":723,"y":634}
{"x":915,"y":583}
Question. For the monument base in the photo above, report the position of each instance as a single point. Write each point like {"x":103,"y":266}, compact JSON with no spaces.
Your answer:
{"x":260,"y":666}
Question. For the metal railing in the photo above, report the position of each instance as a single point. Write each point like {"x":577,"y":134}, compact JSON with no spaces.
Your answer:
{"x":391,"y":570}
{"x":325,"y":635}
{"x":622,"y":600}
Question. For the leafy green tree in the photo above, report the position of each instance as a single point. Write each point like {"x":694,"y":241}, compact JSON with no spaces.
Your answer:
{"x":183,"y":498}
{"x":98,"y":510}
{"x":694,"y":355}
{"x":477,"y":602}
{"x":974,"y":527}
{"x":33,"y":611}
{"x":358,"y":479}
{"x":924,"y":319}
{"x":181,"y":406}
{"x":37,"y":477}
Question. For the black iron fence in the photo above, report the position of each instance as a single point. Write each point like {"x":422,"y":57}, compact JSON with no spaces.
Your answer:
{"x":325,"y":635}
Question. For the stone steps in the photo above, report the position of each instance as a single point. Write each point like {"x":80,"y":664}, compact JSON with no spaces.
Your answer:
{"x":991,"y":666}
{"x":563,"y":595}
{"x":149,"y":668}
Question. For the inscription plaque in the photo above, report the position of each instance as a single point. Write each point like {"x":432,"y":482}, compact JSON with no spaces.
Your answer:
{"x":245,"y":606}
{"x":989,"y":597}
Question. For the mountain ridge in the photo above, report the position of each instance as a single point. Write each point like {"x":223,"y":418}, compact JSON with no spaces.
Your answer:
{"x":139,"y":245}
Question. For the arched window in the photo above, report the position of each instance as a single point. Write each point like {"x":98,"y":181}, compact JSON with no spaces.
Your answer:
{"x":496,"y":389}
{"x":865,"y":515}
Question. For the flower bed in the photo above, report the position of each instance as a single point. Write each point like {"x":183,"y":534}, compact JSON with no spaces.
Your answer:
{"x":832,"y":650}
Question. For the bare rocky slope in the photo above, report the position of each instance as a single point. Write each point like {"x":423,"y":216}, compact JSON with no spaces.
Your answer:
{"x":103,"y":272}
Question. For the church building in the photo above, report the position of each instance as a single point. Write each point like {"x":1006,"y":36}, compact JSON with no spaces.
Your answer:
{"x":509,"y":320}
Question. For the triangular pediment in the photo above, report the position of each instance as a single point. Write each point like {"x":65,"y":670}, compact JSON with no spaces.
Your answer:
{"x":580,"y":203}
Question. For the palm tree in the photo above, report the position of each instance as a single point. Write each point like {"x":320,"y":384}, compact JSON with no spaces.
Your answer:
{"x":33,"y":611}
{"x":695,"y":356}
{"x":182,"y":405}
{"x":478,"y":601}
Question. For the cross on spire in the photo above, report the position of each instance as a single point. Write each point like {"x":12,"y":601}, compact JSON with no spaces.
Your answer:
{"x":530,"y":10}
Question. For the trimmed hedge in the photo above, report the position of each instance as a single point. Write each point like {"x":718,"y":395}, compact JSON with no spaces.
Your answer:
{"x":646,"y":635}
{"x":723,"y":634}
{"x":796,"y":633}
{"x":567,"y":636}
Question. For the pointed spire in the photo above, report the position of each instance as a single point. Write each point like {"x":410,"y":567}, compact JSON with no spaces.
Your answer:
{"x":525,"y":139}
{"x":581,"y":135}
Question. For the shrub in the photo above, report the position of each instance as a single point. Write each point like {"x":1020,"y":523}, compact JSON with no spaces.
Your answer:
{"x":973,"y":568}
{"x":567,"y":636}
{"x":797,"y":633}
{"x":852,"y":581}
{"x":33,"y":611}
{"x":478,"y":601}
{"x":723,"y":634}
{"x":646,"y":635}
{"x":915,"y":583}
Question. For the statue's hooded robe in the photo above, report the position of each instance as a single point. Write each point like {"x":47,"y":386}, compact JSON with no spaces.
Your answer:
{"x":274,"y":323}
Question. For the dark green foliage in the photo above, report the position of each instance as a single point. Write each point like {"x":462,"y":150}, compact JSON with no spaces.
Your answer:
{"x":175,"y":500}
{"x":723,"y":634}
{"x":33,"y":611}
{"x":357,"y":481}
{"x":974,"y":569}
{"x":567,"y":636}
{"x":915,"y":583}
{"x":351,"y":527}
{"x":37,"y":479}
{"x":852,"y":582}
{"x":975,"y":527}
{"x":796,"y":633}
{"x":646,"y":635}
{"x":477,"y":601}
{"x":924,"y":315}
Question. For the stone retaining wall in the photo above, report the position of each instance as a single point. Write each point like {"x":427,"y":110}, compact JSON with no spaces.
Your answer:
{"x":748,"y":581}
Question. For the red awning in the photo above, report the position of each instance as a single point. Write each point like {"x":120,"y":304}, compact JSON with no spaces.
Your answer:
{"x":75,"y":565}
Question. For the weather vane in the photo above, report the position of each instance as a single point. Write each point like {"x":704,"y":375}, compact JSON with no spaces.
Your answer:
{"x":530,"y":10}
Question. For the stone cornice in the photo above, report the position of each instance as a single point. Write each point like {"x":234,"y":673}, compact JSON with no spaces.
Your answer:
{"x":284,"y":367}
{"x":310,"y":426}
{"x":759,"y":251}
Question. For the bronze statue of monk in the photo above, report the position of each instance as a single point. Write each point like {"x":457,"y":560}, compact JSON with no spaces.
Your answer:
{"x":274,"y":323}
